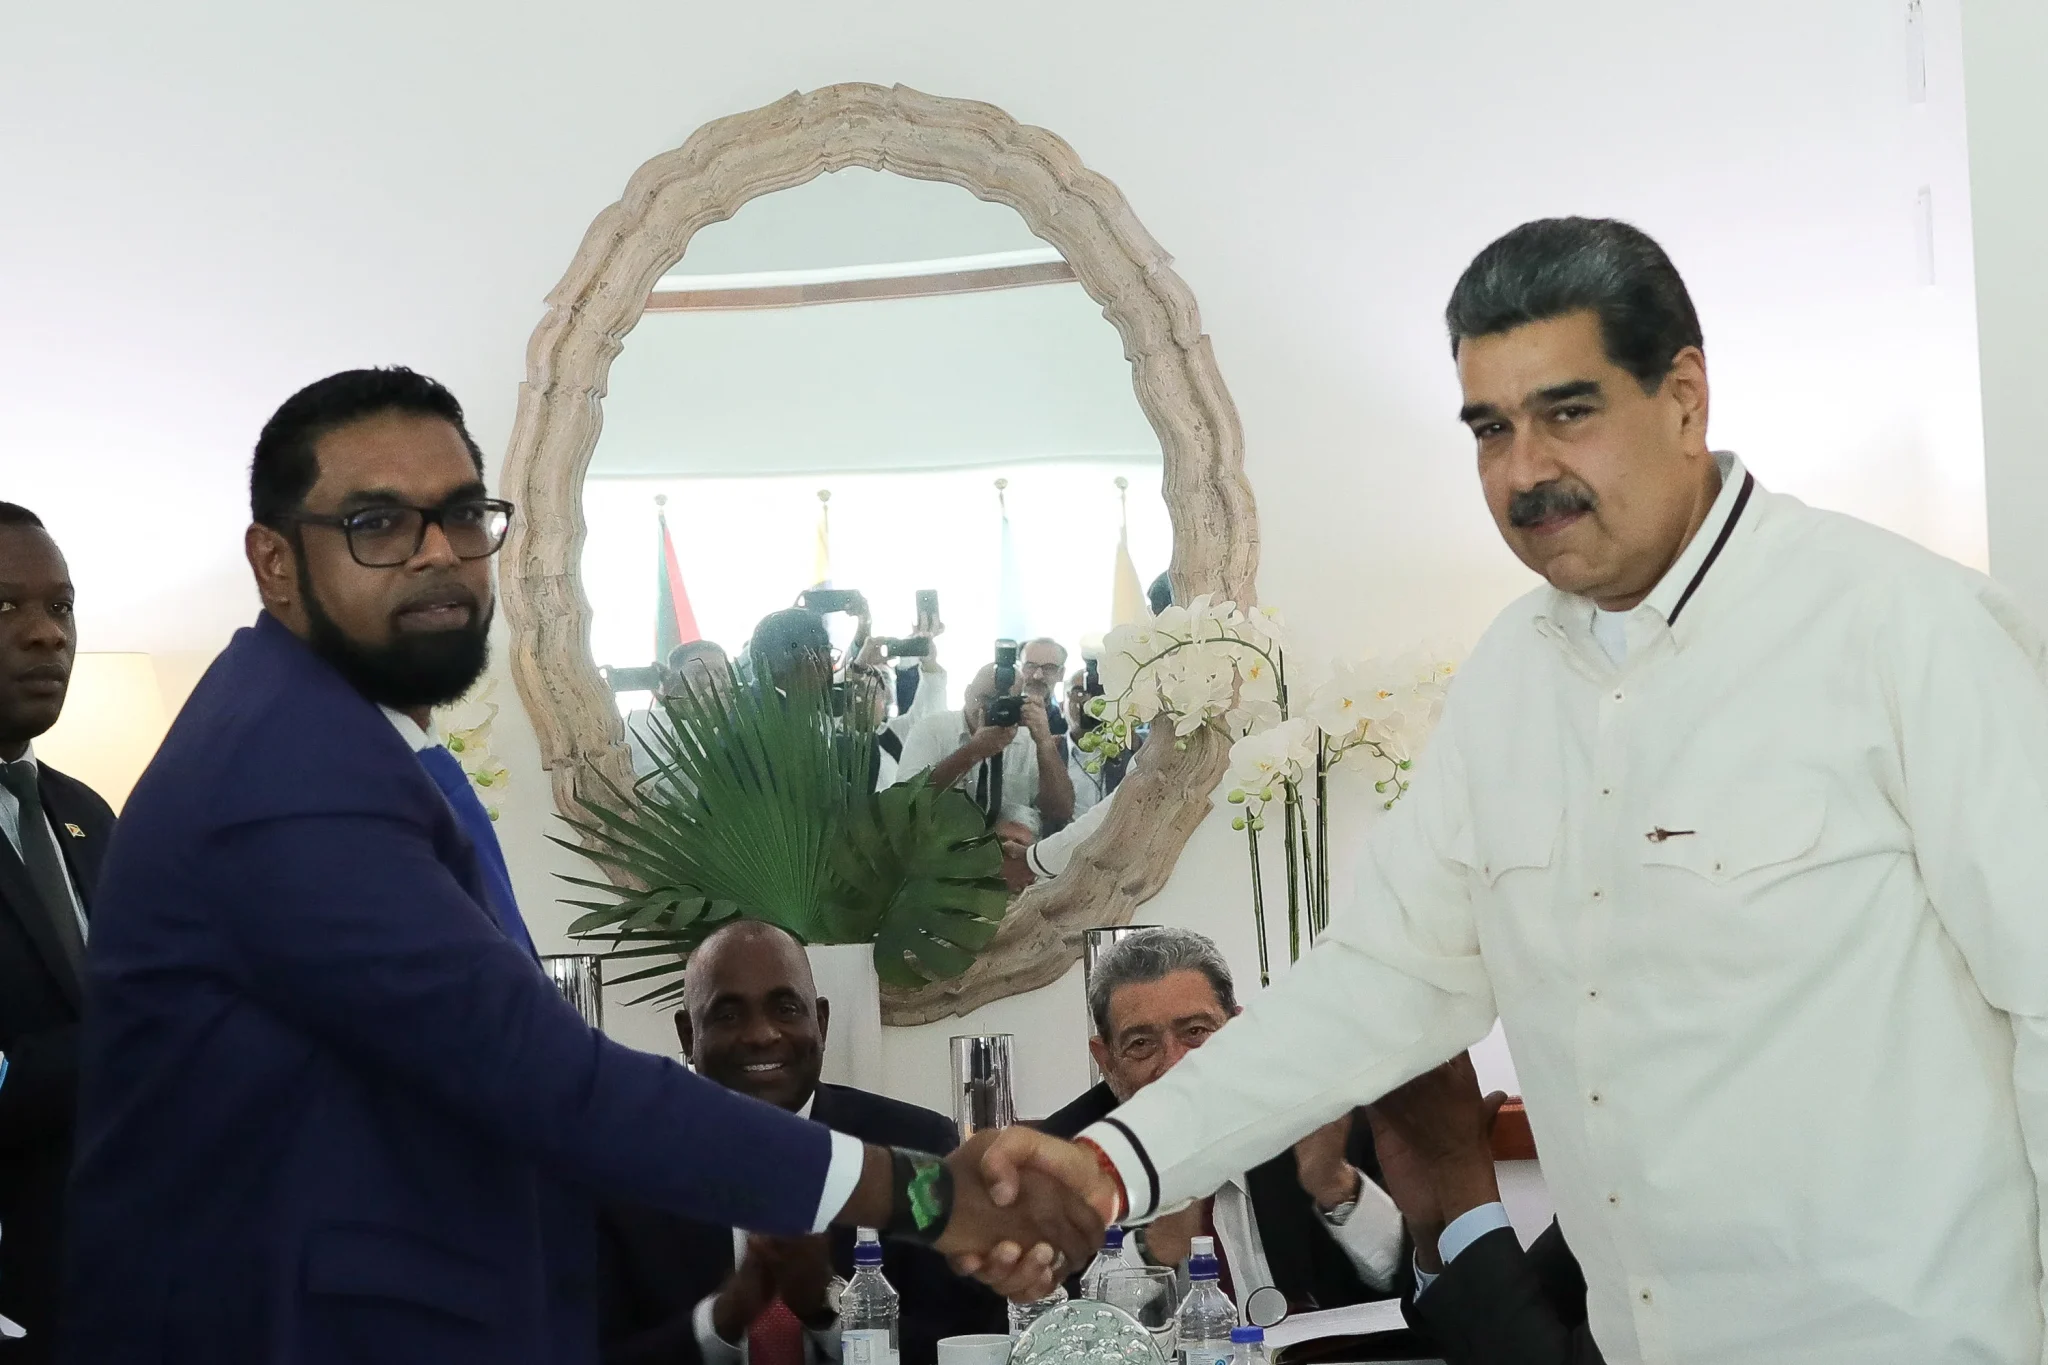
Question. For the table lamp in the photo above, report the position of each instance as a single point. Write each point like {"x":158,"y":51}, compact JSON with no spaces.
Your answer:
{"x":113,"y":720}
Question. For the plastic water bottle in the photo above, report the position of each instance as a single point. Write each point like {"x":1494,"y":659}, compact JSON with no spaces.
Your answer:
{"x":1247,"y":1346}
{"x":869,"y":1307}
{"x":1112,"y":1257}
{"x":1022,"y":1315}
{"x":1207,"y":1316}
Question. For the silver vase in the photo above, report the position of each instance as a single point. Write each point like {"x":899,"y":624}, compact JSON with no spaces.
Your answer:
{"x":580,"y":979}
{"x":984,"y":1092}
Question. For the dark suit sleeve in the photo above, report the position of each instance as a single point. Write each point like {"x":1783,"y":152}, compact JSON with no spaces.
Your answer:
{"x":1498,"y":1305}
{"x":39,"y":1097}
{"x":353,"y":930}
{"x":40,"y":1093}
{"x":937,"y":1303}
{"x":641,"y":1327}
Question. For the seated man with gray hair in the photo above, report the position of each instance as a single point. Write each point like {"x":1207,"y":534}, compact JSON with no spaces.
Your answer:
{"x":1313,"y":1222}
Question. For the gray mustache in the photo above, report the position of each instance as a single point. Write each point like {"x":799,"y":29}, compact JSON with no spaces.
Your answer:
{"x":1547,"y":500}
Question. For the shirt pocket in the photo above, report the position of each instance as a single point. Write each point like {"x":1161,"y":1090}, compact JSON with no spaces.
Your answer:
{"x":1735,"y":836}
{"x":1516,"y":841}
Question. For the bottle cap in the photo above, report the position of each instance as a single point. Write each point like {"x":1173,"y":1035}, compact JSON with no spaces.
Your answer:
{"x":1245,"y":1336}
{"x":1202,"y":1259}
{"x":1113,"y":1238}
{"x":1201,"y":1246}
{"x":867,"y":1248}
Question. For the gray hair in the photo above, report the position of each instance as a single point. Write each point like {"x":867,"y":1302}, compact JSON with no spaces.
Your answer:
{"x":1152,"y":955}
{"x":1555,"y":266}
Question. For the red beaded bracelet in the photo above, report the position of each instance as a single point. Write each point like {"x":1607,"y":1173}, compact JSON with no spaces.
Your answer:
{"x":1123,"y":1197}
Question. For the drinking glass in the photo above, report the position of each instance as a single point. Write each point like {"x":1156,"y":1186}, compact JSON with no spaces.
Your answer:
{"x":1147,"y":1293}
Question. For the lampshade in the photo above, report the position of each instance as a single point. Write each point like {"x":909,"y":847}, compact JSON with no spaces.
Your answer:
{"x":113,"y":720}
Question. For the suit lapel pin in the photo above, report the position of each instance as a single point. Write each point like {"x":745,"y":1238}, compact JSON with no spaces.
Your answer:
{"x":75,"y":831}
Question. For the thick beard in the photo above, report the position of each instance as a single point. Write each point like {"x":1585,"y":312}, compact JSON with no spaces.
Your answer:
{"x":414,"y":670}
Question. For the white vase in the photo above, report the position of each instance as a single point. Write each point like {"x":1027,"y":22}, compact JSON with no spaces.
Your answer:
{"x":845,"y":974}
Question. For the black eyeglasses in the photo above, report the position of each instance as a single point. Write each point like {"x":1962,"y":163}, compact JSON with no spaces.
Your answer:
{"x":386,"y":537}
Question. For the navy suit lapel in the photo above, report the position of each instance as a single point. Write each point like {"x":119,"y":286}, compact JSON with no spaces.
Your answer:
{"x":83,"y":846}
{"x":18,"y":893}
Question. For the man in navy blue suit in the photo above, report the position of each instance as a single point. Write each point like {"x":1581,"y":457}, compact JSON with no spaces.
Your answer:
{"x":331,"y":1109}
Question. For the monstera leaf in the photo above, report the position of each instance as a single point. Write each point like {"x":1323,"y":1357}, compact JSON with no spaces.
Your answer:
{"x":924,"y":866}
{"x":761,"y":806}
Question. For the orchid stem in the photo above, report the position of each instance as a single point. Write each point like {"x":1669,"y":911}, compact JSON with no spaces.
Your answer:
{"x":1259,"y":906}
{"x":1293,"y":874}
{"x":1320,"y":915}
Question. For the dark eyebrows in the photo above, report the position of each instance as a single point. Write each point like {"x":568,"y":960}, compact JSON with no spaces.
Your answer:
{"x":1577,"y":388}
{"x":391,"y":497}
{"x":1556,"y":393}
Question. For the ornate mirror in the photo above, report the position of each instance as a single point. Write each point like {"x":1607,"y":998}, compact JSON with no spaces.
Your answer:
{"x":884,"y":393}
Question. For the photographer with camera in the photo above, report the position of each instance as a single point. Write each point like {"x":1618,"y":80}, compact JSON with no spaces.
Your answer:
{"x":1000,"y":748}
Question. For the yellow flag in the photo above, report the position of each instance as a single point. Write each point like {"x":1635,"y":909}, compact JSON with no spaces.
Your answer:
{"x":821,"y":554}
{"x":1126,"y":595}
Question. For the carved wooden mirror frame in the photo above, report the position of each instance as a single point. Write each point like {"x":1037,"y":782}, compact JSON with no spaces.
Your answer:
{"x":980,"y":148}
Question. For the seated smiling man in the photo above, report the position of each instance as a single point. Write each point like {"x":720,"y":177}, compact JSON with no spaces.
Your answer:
{"x":676,"y":1291}
{"x":1311,"y":1222}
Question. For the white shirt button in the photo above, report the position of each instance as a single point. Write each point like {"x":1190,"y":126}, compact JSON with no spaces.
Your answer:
{"x":1617,"y":694}
{"x":1598,"y":893}
{"x":1614,"y":1201}
{"x":1594,"y":1097}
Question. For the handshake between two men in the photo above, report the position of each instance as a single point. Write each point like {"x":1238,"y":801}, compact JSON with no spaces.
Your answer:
{"x":1016,"y":1208}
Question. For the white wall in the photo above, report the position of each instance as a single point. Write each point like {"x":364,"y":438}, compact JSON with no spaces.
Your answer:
{"x":2004,"y":43}
{"x":205,"y":210}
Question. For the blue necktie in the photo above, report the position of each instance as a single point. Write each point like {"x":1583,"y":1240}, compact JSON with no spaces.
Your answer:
{"x":476,"y":822}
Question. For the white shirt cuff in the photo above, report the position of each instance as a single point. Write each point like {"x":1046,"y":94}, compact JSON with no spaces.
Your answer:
{"x":1371,"y":1236}
{"x":715,"y":1349}
{"x":1468,"y":1227}
{"x":1141,"y":1189}
{"x":849,"y":1154}
{"x":1423,"y":1280}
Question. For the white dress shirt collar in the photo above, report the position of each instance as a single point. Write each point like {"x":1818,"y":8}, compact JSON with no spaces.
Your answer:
{"x":1572,"y":616}
{"x":409,"y":730}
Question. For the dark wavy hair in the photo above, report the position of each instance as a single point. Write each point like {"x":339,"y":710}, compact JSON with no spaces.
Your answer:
{"x":1555,"y":266}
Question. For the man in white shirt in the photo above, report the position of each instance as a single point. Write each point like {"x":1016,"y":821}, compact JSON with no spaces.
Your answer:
{"x":1738,"y":825}
{"x":695,"y":665}
{"x":956,"y":748}
{"x":1311,"y":1223}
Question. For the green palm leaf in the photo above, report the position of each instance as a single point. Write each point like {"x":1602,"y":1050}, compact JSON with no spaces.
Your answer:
{"x":761,"y":806}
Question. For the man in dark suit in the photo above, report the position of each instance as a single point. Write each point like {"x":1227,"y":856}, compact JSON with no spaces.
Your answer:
{"x":1312,"y":1222}
{"x":1479,"y":1296}
{"x":53,"y":830}
{"x":331,"y":1109}
{"x":682,"y":1291}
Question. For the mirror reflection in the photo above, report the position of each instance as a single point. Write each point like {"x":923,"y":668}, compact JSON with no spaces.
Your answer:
{"x":873,"y":427}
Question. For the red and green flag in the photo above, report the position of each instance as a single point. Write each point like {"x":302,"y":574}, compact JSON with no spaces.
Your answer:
{"x":674,"y":622}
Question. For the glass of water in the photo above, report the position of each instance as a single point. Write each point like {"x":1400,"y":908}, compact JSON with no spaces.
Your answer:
{"x":1148,"y":1294}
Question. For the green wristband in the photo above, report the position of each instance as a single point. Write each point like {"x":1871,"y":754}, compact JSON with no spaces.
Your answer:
{"x":921,"y":1202}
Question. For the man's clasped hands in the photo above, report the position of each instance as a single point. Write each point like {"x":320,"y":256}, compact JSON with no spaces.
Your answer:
{"x":1028,"y":1210}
